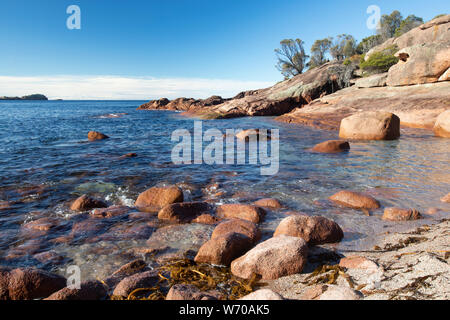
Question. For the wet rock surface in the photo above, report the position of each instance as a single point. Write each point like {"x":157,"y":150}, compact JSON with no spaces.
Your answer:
{"x":241,"y":211}
{"x":314,"y":230}
{"x":272,"y":259}
{"x":355,"y":200}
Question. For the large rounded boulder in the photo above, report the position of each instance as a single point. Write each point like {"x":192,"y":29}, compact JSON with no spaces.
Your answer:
{"x":370,"y":125}
{"x":314,"y":230}
{"x":272,"y":259}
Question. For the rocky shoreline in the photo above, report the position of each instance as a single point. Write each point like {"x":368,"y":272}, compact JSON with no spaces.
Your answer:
{"x":416,"y":89}
{"x":227,"y":257}
{"x":297,"y":262}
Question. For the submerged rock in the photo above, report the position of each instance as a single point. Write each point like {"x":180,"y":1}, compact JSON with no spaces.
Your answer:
{"x":128,"y":155}
{"x":268,"y":203}
{"x":446,"y":199}
{"x":159,"y":197}
{"x":442,"y":125}
{"x":332,"y":146}
{"x":42,"y":224}
{"x":355,"y":200}
{"x":370,"y":125}
{"x":206,"y":219}
{"x":110,"y":212}
{"x":5,"y":205}
{"x":94,"y":135}
{"x":314,"y":230}
{"x":183,"y":212}
{"x":398,"y":214}
{"x":180,"y":239}
{"x":28,"y":284}
{"x":50,"y":257}
{"x":272,"y":259}
{"x":241,"y":211}
{"x":86,"y":203}
{"x":248,"y":135}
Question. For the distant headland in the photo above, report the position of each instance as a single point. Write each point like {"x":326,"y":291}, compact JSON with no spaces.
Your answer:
{"x":30,"y":97}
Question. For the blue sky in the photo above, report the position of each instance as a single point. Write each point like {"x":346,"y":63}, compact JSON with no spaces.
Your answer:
{"x":166,"y":44}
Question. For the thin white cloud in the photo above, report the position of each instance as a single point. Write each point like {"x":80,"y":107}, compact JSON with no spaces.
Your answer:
{"x":119,"y":88}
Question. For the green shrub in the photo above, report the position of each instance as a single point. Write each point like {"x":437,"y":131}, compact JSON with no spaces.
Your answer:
{"x":379,"y":62}
{"x":347,"y":62}
{"x":439,"y":16}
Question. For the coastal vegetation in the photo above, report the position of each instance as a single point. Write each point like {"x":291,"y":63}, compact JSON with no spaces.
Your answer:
{"x":344,"y":48}
{"x":380,"y":62}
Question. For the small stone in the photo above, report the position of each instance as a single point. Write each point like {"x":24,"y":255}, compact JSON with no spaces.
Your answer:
{"x":188,"y":292}
{"x":355,"y":200}
{"x":110,"y":212}
{"x":432,"y":211}
{"x":341,"y":293}
{"x":5,"y":205}
{"x":399,"y":214}
{"x":49,"y":257}
{"x":332,"y":146}
{"x":86,"y":203}
{"x":314,"y":292}
{"x":206,"y":219}
{"x":128,"y":155}
{"x":446,"y":199}
{"x":357,"y":262}
{"x":94,"y":135}
{"x":262,"y":295}
{"x":268,"y":203}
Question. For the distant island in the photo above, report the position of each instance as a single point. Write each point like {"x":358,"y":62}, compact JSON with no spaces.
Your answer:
{"x":30,"y":97}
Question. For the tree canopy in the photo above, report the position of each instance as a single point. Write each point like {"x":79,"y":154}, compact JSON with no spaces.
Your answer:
{"x":344,"y":46}
{"x":318,"y":52}
{"x":291,"y":57}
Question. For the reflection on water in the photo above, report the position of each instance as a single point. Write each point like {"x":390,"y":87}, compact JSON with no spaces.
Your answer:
{"x":46,"y":162}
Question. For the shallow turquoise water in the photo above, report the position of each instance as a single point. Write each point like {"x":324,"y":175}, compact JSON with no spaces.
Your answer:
{"x":46,"y":161}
